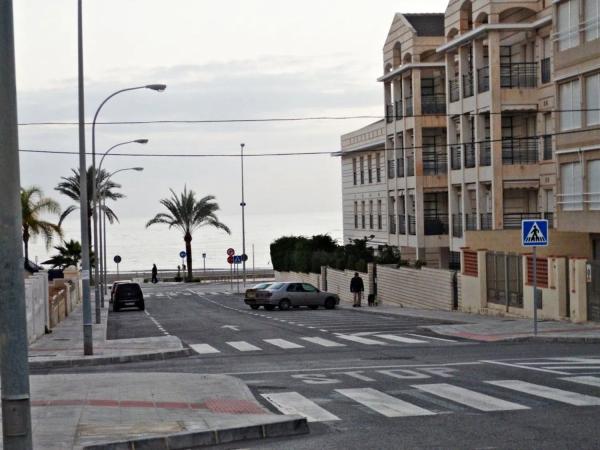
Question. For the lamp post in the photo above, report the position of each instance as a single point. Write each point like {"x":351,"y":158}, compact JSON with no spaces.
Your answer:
{"x":243,"y":205}
{"x":102,"y":223}
{"x":154,"y":87}
{"x":103,"y":220}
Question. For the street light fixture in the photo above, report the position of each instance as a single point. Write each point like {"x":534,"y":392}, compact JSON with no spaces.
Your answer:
{"x":154,"y":87}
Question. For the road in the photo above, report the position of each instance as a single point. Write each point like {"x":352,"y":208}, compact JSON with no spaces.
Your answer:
{"x":376,"y":381}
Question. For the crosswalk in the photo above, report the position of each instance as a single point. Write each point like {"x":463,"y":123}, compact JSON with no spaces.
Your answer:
{"x":423,"y":399}
{"x":307,"y":342}
{"x":180,"y":294}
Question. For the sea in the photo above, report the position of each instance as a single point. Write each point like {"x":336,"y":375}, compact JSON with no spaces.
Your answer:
{"x":140,"y":247}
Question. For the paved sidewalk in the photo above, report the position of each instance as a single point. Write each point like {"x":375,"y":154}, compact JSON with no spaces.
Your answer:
{"x":164,"y":410}
{"x":491,"y":328}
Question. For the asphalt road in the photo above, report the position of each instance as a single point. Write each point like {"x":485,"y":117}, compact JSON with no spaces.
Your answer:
{"x":377,"y":381}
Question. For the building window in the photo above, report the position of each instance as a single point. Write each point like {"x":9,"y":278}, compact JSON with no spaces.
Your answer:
{"x":592,"y":99}
{"x":593,"y":178}
{"x":379,"y":224}
{"x":370,"y":168}
{"x":355,"y":214}
{"x":370,"y":214}
{"x":354,"y":170}
{"x":570,"y":105}
{"x":592,"y":19}
{"x":378,"y":167}
{"x":568,"y":24}
{"x":362,"y":170}
{"x":362,"y":214}
{"x":571,"y":184}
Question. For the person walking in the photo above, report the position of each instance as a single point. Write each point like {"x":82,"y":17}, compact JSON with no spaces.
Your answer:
{"x":154,"y":274}
{"x":357,"y":287}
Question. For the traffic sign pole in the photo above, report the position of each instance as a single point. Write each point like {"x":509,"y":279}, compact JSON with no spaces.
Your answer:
{"x":534,"y":233}
{"x":535,"y":305}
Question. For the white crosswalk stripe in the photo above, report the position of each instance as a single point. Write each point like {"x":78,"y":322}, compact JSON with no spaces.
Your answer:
{"x":282,"y":343}
{"x":383,"y":403}
{"x":470,"y":398}
{"x":559,"y":395}
{"x":204,"y":348}
{"x":588,"y":380}
{"x":294,"y":403}
{"x":243,"y":346}
{"x":323,"y":342}
{"x":402,"y":339}
{"x":360,"y":340}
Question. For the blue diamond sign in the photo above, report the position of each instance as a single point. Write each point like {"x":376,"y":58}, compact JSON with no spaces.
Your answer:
{"x":534,"y":233}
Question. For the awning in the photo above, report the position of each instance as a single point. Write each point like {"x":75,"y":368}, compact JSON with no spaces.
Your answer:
{"x":521,"y":184}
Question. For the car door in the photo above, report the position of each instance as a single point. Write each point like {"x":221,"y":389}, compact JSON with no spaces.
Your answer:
{"x":311,"y":295}
{"x":294,"y":293}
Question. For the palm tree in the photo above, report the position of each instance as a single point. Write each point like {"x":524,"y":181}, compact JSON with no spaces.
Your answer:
{"x":69,"y":254}
{"x":188,"y":214}
{"x":106,"y":190}
{"x":33,"y":205}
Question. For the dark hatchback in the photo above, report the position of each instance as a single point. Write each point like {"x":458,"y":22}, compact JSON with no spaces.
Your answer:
{"x":128,"y":294}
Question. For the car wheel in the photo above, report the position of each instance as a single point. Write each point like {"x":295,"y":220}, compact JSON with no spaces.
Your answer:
{"x":314,"y":306}
{"x":284,"y":304}
{"x":269,"y":307}
{"x":330,"y":303}
{"x":254,"y":306}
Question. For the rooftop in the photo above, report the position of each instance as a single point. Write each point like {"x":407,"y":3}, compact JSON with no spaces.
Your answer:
{"x":429,"y":24}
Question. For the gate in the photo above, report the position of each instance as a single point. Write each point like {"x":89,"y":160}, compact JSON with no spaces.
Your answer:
{"x":504,"y":279}
{"x":593,"y":292}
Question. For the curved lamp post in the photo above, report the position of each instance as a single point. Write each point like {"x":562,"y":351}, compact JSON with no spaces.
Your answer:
{"x":154,"y":87}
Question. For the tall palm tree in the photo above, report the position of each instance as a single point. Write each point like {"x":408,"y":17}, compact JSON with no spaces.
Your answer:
{"x":69,"y":186}
{"x":33,"y":205}
{"x":188,"y":213}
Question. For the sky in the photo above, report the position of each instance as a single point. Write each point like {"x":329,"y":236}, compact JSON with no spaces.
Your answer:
{"x":231,"y":59}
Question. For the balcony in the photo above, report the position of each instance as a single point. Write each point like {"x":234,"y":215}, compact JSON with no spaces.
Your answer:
{"x":512,"y":221}
{"x":390,"y":167}
{"x":398,"y":107}
{"x":547,"y":144}
{"x":486,"y":221}
{"x":409,"y":106}
{"x":401,"y":224}
{"x":436,"y":224}
{"x":519,"y":151}
{"x":454,"y":89}
{"x":471,"y":222}
{"x":467,"y":85}
{"x":410,"y":166}
{"x":485,"y":153}
{"x":518,"y":75}
{"x":469,"y":155}
{"x":389,"y":113}
{"x":483,"y":79}
{"x":400,"y":167}
{"x":457,"y":226}
{"x":412,"y":225}
{"x":434,"y":161}
{"x":546,"y":71}
{"x":392,"y":224}
{"x":455,"y":157}
{"x":433,"y":104}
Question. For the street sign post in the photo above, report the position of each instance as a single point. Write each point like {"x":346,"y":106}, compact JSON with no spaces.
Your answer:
{"x":238,"y":259}
{"x":534,"y":233}
{"x":182,"y":255}
{"x":230,"y":252}
{"x":117,"y":260}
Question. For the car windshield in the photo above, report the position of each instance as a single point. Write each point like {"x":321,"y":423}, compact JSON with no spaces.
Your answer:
{"x":124,"y":289}
{"x":275,"y":286}
{"x":262,"y":286}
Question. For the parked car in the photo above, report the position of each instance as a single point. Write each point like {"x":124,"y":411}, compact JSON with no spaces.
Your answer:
{"x":292,"y":294}
{"x":114,"y":288}
{"x":250,"y":293}
{"x":128,"y":294}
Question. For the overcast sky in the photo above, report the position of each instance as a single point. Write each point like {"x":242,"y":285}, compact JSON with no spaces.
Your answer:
{"x":221,"y":60}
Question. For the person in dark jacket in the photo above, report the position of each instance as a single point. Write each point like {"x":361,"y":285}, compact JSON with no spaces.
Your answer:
{"x":154,"y":274}
{"x":357,"y":288}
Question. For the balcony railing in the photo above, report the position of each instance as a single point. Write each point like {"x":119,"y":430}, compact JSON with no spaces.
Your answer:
{"x":412,"y":225}
{"x":546,"y":71}
{"x":519,"y":151}
{"x":410,"y":166}
{"x":512,"y":221}
{"x":400,"y":167}
{"x":390,"y":167}
{"x":408,"y":101}
{"x":469,"y":154}
{"x":485,"y":153}
{"x":547,"y":144}
{"x":457,"y":226}
{"x":518,"y":75}
{"x":455,"y":157}
{"x":454,"y":89}
{"x":389,"y":113}
{"x":398,"y":106}
{"x":471,"y":221}
{"x":483,"y":79}
{"x":486,"y":221}
{"x":435,"y":161}
{"x":392,"y":224}
{"x":436,"y":224}
{"x":433,"y":104}
{"x":468,"y":84}
{"x":401,"y":224}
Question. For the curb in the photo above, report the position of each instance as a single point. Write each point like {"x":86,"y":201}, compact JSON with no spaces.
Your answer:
{"x":554,"y":339}
{"x":104,"y":360}
{"x":293,"y":426}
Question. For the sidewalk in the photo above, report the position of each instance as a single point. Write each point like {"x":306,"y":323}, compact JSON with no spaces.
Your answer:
{"x":492,"y":328}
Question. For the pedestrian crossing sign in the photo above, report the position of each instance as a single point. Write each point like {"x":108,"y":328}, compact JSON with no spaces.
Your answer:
{"x":534,"y":233}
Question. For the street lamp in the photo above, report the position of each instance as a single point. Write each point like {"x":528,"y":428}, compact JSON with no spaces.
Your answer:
{"x":154,"y":87}
{"x":243,"y":205}
{"x":102,"y":261}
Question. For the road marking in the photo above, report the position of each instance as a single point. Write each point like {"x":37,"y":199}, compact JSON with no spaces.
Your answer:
{"x":323,"y":342}
{"x":473,"y":399}
{"x":383,"y":403}
{"x":360,"y":340}
{"x":590,"y":381}
{"x":294,"y":403}
{"x":518,"y":366}
{"x":282,"y":343}
{"x":431,"y":337}
{"x":204,"y":348}
{"x":159,"y":295}
{"x":574,"y":367}
{"x":243,"y":346}
{"x":405,"y":340}
{"x":213,"y":293}
{"x":559,"y":395}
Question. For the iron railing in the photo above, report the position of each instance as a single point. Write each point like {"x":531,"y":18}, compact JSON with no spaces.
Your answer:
{"x":455,"y":157}
{"x":389,"y":113}
{"x":435,"y":161}
{"x":457,"y":226}
{"x":483,"y":79}
{"x":408,"y":102}
{"x":469,"y":154}
{"x":412,"y":225}
{"x":390,"y":167}
{"x":512,"y":221}
{"x":410,"y":166}
{"x":518,"y":75}
{"x":398,"y":107}
{"x":471,"y":221}
{"x":435,"y":224}
{"x":485,"y":153}
{"x":519,"y":151}
{"x":401,"y":224}
{"x":546,"y":71}
{"x":392,"y":224}
{"x":547,"y":144}
{"x":486,"y":221}
{"x":467,"y":84}
{"x":454,"y":89}
{"x":433,"y":104}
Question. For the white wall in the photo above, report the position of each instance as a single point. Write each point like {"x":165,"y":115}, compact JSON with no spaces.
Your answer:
{"x":36,"y":304}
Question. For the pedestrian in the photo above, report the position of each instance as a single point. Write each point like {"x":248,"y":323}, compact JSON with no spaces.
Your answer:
{"x":154,"y":274}
{"x":357,"y":288}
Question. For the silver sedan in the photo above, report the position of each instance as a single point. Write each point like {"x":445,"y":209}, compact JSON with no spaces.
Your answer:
{"x":289,"y":294}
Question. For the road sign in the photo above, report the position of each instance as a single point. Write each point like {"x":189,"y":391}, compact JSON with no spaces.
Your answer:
{"x":182,"y":254}
{"x":117,"y":259}
{"x":534,"y":233}
{"x":230,"y":252}
{"x":244,"y":257}
{"x":230,"y":259}
{"x":237,"y":259}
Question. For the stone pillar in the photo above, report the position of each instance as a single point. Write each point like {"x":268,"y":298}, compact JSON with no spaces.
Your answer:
{"x":558,"y":281}
{"x":323,"y":279}
{"x":578,"y":288}
{"x":496,"y":129}
{"x":371,"y":277}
